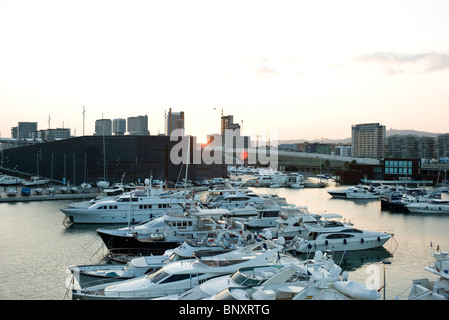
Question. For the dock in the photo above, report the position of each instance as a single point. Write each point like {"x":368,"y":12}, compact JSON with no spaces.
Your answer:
{"x":47,"y":197}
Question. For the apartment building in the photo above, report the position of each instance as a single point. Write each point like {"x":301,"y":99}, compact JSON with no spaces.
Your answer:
{"x":368,"y":140}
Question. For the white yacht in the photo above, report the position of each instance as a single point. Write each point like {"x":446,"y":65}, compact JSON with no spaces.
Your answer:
{"x":431,"y":206}
{"x":235,"y":200}
{"x":180,"y":276}
{"x":317,"y":279}
{"x":291,"y":221}
{"x":336,"y":236}
{"x":280,"y":276}
{"x":260,"y":181}
{"x":88,"y":275}
{"x":242,"y":278}
{"x":134,"y":207}
{"x":6,"y":180}
{"x":35,"y":181}
{"x":425,"y":289}
{"x":168,"y":231}
{"x":356,"y":192}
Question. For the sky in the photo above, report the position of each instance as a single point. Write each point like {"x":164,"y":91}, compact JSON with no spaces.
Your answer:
{"x":290,"y":69}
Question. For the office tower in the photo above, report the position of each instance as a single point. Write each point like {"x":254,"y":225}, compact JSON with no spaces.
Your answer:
{"x":368,"y":141}
{"x":175,"y":120}
{"x":119,"y":126}
{"x":227,"y":122}
{"x":138,"y":125}
{"x":24,"y":130}
{"x":103,"y":127}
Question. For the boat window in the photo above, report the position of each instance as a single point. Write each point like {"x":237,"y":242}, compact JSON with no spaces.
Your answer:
{"x":352,"y":231}
{"x":270,"y":214}
{"x":339,"y":236}
{"x":179,"y":277}
{"x":157,"y":276}
{"x":221,"y":263}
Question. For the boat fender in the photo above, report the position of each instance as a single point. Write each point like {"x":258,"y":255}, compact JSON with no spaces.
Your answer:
{"x":326,"y":242}
{"x":309,"y":246}
{"x":362,"y":241}
{"x":344,"y":241}
{"x":378,"y":239}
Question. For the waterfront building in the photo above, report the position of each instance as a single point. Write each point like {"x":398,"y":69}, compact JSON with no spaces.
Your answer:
{"x":86,"y":158}
{"x":138,"y":125}
{"x":443,"y":145}
{"x":342,"y":150}
{"x":119,"y":127}
{"x":368,"y":140}
{"x":24,"y":130}
{"x":227,"y":122}
{"x":103,"y":127}
{"x":411,"y":146}
{"x":175,"y":120}
{"x":52,"y":134}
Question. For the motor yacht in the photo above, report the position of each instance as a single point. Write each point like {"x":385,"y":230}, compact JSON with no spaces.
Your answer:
{"x":180,"y":276}
{"x":169,"y":231}
{"x":356,"y":192}
{"x":425,"y":289}
{"x":6,"y":180}
{"x":134,"y":207}
{"x":316,"y":279}
{"x":88,"y":275}
{"x":337,"y":237}
{"x":35,"y":181}
{"x":431,"y":206}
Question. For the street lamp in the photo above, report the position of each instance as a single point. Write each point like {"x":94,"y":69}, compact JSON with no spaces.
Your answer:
{"x":385,"y":262}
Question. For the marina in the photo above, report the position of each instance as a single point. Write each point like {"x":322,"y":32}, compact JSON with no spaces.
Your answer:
{"x":40,"y":247}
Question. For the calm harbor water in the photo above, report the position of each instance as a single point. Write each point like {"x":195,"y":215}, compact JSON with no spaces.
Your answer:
{"x":36,"y":247}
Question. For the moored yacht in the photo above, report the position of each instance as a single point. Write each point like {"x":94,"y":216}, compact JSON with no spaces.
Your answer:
{"x":6,"y":180}
{"x":164,"y":232}
{"x":133,"y":207}
{"x":431,"y":206}
{"x":355,"y":192}
{"x":425,"y":289}
{"x":180,"y":276}
{"x":339,"y":237}
{"x":35,"y":181}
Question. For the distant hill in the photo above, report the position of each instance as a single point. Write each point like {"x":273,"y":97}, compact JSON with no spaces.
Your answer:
{"x":390,"y":132}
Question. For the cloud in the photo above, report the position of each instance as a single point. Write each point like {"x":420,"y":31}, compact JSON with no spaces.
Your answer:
{"x":397,"y":63}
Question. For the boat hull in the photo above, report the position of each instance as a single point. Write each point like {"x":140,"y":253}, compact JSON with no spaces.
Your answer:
{"x":340,"y":245}
{"x":131,"y":245}
{"x":80,"y":215}
{"x":429,"y":209}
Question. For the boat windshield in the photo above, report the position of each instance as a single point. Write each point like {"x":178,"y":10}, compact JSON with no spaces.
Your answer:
{"x":247,"y":279}
{"x":226,"y":295}
{"x":157,"y":276}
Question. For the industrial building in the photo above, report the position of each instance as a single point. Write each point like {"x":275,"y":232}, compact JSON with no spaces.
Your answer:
{"x":91,"y":158}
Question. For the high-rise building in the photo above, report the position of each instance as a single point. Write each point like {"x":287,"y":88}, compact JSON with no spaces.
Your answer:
{"x":103,"y":127}
{"x":175,"y":120}
{"x":227,"y":122}
{"x":24,"y":130}
{"x":119,"y":127}
{"x":138,"y":125}
{"x":368,"y":140}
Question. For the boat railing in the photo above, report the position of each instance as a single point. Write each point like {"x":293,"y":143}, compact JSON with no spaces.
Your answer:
{"x":124,"y":255}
